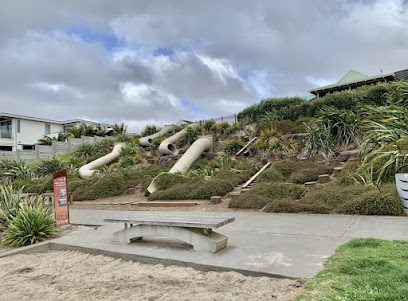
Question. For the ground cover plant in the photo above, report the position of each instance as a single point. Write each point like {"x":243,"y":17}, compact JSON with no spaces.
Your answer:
{"x":362,"y":269}
{"x":205,"y":179}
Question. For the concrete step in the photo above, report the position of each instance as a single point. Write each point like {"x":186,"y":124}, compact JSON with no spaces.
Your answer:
{"x":311,"y":184}
{"x":325,"y":178}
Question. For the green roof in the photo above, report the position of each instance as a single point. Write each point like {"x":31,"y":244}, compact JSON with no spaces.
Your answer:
{"x":352,"y":77}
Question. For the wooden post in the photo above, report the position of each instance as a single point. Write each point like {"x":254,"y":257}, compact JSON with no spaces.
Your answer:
{"x":53,"y":147}
{"x":37,"y":151}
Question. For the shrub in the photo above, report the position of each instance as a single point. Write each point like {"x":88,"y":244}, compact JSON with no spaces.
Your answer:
{"x":232,"y":146}
{"x":167,"y":180}
{"x":212,"y":187}
{"x":149,"y":130}
{"x":85,"y":150}
{"x":332,"y":195}
{"x":33,"y":223}
{"x":17,"y":168}
{"x":209,"y":126}
{"x":49,"y":166}
{"x":308,"y":174}
{"x":288,"y":167}
{"x":109,"y":185}
{"x":347,"y":174}
{"x":344,"y":100}
{"x":265,"y":193}
{"x":9,"y":204}
{"x":374,"y":202}
{"x":191,"y":134}
{"x":40,"y":185}
{"x":297,"y":206}
{"x":270,"y":175}
{"x":129,"y":156}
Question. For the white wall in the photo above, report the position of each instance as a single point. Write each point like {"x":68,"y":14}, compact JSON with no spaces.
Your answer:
{"x":31,"y":131}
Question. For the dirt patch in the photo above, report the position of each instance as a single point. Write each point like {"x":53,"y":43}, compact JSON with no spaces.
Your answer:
{"x":59,"y":275}
{"x":128,"y":203}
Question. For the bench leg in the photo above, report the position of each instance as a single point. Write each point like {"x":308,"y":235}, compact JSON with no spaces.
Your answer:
{"x":210,"y":242}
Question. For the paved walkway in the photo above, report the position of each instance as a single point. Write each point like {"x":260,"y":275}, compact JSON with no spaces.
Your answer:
{"x":288,"y":245}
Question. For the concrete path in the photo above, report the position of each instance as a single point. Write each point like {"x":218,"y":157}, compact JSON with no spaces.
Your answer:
{"x":287,"y":245}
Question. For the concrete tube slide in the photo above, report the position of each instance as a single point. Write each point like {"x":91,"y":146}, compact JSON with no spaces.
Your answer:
{"x":147,"y":140}
{"x":201,"y":145}
{"x":167,"y":146}
{"x":87,"y":170}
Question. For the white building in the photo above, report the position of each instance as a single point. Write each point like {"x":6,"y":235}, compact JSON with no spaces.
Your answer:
{"x":19,"y":132}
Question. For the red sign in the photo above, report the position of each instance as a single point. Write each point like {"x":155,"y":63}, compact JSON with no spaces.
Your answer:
{"x":61,"y":198}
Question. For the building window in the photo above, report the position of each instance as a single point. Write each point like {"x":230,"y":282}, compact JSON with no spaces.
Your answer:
{"x":18,"y":126}
{"x":47,"y":129}
{"x":67,"y":127}
{"x":5,"y":129}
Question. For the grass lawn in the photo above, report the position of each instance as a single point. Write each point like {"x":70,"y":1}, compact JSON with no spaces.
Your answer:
{"x":363,"y":269}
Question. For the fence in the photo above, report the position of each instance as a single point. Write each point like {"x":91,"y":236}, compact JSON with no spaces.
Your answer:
{"x":232,"y":119}
{"x":46,"y":151}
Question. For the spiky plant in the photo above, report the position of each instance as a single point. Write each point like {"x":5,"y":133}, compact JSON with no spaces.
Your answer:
{"x":9,"y":204}
{"x":150,"y":129}
{"x":33,"y":223}
{"x":385,"y":148}
{"x":45,"y":140}
{"x":49,"y":166}
{"x":191,"y":134}
{"x":209,"y":126}
{"x":119,"y":129}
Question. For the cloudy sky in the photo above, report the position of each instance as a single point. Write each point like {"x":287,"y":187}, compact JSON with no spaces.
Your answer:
{"x":157,"y":61}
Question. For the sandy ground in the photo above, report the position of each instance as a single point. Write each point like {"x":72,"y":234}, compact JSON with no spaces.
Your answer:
{"x":66,"y":275}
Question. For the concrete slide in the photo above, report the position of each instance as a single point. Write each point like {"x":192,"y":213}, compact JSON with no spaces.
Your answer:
{"x":147,"y":140}
{"x":201,"y":145}
{"x":87,"y":170}
{"x":167,"y":146}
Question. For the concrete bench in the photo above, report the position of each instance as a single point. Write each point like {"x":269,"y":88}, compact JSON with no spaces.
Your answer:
{"x":194,"y":230}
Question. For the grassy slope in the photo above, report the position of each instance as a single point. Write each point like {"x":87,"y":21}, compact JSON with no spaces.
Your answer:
{"x":363,"y":269}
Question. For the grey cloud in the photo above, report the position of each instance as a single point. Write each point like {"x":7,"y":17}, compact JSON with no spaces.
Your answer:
{"x":270,"y":47}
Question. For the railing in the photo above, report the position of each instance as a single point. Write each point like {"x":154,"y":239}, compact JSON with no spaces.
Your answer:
{"x":232,"y":119}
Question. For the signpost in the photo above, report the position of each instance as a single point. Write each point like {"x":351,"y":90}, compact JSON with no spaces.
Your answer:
{"x":60,"y":185}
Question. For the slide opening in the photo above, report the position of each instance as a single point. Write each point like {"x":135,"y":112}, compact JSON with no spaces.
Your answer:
{"x":173,"y":149}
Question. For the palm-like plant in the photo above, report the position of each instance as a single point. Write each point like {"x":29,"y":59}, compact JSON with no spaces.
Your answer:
{"x":334,"y":130}
{"x":45,"y":140}
{"x":33,"y":223}
{"x":385,"y":148}
{"x":150,"y":130}
{"x":9,"y":204}
{"x":119,"y":129}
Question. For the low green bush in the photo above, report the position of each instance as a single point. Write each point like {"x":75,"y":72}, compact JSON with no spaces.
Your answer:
{"x":308,"y":174}
{"x":297,"y":206}
{"x":40,"y":185}
{"x":332,"y":195}
{"x":265,"y":193}
{"x":49,"y":166}
{"x":345,"y":176}
{"x":375,"y":202}
{"x":270,"y":175}
{"x":232,"y":146}
{"x":33,"y":223}
{"x":289,"y":166}
{"x":111,"y":184}
{"x":167,"y":180}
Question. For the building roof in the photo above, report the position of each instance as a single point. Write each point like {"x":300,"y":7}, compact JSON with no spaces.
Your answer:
{"x":9,"y":115}
{"x":352,"y":77}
